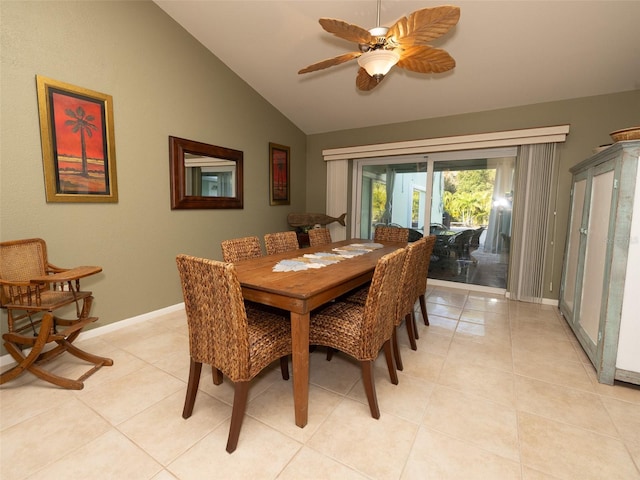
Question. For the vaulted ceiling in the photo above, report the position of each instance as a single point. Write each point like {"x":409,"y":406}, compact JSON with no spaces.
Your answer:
{"x":508,"y":53}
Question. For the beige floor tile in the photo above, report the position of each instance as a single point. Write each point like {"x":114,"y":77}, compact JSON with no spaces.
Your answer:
{"x":25,"y":397}
{"x":127,"y":396}
{"x":620,"y":390}
{"x":42,"y":439}
{"x":377,"y":448}
{"x":438,"y":456}
{"x":309,"y":463}
{"x":162,"y":432}
{"x":445,"y":296}
{"x":532,"y":474}
{"x":262,"y":453}
{"x":164,"y":475}
{"x":406,"y":400}
{"x":569,"y":374}
{"x":154,"y":346}
{"x":484,"y":317}
{"x":432,"y":342}
{"x":485,"y":424}
{"x":487,"y":354}
{"x":124,"y":364}
{"x":109,"y":456}
{"x":494,"y":305}
{"x":422,"y":363}
{"x":497,"y":389}
{"x":563,"y":404}
{"x":538,"y":349}
{"x":274,"y":407}
{"x":339,"y":375}
{"x":441,"y":325}
{"x":443,"y":310}
{"x":569,"y":452}
{"x":490,"y":333}
{"x":489,"y":383}
{"x":527,"y":328}
{"x":626,"y":417}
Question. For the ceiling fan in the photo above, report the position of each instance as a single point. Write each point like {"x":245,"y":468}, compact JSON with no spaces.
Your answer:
{"x":404,"y":44}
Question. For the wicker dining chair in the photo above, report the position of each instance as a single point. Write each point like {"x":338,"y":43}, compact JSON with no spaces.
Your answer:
{"x":387,"y":233}
{"x":407,"y":296}
{"x":421,"y":285}
{"x":281,"y":242}
{"x":361,"y":331}
{"x":319,"y":236}
{"x":237,"y":249}
{"x":236,"y":341}
{"x":32,"y":291}
{"x":411,"y":270}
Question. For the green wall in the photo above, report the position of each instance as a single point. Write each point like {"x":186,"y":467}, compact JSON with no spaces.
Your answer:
{"x":163,"y":82}
{"x":591,"y":120}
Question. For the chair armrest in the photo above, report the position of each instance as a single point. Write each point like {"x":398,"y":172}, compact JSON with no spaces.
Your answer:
{"x":67,"y":275}
{"x":51,"y":268}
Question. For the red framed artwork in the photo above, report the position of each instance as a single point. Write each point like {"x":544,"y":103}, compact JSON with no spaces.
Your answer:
{"x":78,"y":145}
{"x":279,"y":187}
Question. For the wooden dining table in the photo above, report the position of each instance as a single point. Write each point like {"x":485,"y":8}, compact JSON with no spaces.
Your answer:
{"x":299,"y":292}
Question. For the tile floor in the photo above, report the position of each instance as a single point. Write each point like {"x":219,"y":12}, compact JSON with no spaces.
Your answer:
{"x":496,"y":390}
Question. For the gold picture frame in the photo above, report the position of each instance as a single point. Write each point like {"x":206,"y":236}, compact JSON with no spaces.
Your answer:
{"x":78,"y":143}
{"x":279,"y":180}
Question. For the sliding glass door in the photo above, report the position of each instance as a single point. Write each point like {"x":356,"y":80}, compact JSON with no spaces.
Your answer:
{"x":465,"y":199}
{"x":392,"y":193}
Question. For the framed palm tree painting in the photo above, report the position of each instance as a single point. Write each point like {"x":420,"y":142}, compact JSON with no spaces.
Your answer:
{"x":78,"y":144}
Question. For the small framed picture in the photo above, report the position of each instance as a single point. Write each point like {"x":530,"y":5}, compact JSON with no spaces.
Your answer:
{"x":279,"y":187}
{"x":78,"y":145}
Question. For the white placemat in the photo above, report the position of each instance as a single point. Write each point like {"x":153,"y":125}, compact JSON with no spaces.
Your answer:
{"x":322,"y":259}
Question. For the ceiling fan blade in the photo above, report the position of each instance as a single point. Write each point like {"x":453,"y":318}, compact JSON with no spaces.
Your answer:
{"x":365,"y":82}
{"x":423,"y":25}
{"x":330,"y":62}
{"x":426,"y":59}
{"x":347,"y":31}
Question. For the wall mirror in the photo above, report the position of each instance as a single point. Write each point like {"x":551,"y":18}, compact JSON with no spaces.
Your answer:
{"x":204,"y":176}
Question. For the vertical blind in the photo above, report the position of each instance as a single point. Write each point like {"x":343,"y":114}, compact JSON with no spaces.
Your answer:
{"x":533,"y":204}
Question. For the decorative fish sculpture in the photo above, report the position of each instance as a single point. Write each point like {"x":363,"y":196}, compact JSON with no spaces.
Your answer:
{"x":306,"y":219}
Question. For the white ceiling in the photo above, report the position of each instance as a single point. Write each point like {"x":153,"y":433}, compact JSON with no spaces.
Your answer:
{"x":508,"y":53}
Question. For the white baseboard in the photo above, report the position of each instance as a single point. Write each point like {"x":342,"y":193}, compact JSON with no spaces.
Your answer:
{"x":7,"y":359}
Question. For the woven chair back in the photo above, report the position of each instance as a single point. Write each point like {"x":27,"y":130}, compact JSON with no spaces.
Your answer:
{"x":382,"y":303}
{"x":238,"y":249}
{"x":319,"y":236}
{"x":216,"y":316}
{"x":421,"y":285}
{"x":384,"y":233}
{"x":20,"y":261}
{"x":410,"y":277}
{"x":281,"y":242}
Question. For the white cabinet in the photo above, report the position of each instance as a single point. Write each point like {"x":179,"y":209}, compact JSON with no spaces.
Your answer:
{"x":600,"y":290}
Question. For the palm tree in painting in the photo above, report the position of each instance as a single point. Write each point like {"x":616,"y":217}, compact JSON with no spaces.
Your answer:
{"x":81,"y":123}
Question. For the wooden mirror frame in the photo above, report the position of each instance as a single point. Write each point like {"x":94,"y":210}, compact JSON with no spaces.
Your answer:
{"x":179,"y":199}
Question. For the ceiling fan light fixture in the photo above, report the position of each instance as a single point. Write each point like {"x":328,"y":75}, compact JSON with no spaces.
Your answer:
{"x":378,"y":62}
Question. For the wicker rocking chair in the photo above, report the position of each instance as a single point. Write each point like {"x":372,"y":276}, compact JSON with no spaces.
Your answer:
{"x":32,"y":289}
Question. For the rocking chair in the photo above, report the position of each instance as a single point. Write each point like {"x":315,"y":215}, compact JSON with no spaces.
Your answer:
{"x":31,"y":290}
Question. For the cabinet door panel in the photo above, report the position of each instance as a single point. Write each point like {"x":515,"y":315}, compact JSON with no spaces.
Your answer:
{"x":596,"y":253}
{"x":573,"y":246}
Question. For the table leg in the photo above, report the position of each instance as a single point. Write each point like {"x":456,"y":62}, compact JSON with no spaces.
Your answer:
{"x":300,"y":344}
